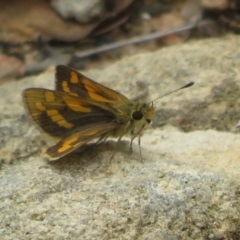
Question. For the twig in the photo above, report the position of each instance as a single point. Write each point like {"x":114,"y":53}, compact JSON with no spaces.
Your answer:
{"x":141,"y":39}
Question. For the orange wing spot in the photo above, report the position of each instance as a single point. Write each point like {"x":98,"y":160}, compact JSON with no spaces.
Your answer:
{"x":51,"y":113}
{"x":98,"y":97}
{"x":93,"y":95}
{"x":66,"y":88}
{"x":58,"y":118}
{"x":75,"y":104}
{"x":74,"y":78}
{"x":67,"y":144}
{"x":40,"y":107}
{"x":90,"y":87}
{"x":49,"y":97}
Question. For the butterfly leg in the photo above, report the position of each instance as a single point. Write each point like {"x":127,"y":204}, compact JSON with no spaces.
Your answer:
{"x":120,"y":138}
{"x":115,"y":149}
{"x":139,"y":141}
{"x":102,"y":140}
{"x":131,"y":148}
{"x":139,"y":145}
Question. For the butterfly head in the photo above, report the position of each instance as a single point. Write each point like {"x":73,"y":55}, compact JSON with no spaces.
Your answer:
{"x":144,"y":112}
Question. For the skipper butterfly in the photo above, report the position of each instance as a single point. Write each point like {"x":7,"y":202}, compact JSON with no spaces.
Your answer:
{"x":81,"y":110}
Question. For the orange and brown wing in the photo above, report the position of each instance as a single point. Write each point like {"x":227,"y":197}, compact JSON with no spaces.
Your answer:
{"x":72,"y":82}
{"x":78,"y":139}
{"x":60,"y":114}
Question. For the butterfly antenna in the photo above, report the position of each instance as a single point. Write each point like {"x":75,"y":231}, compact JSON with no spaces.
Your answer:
{"x":185,"y":86}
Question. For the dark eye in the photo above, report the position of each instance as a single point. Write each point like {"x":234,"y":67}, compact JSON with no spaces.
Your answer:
{"x":148,"y":120}
{"x":137,"y":115}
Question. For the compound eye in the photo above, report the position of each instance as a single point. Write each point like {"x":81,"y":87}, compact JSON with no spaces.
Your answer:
{"x":137,"y":115}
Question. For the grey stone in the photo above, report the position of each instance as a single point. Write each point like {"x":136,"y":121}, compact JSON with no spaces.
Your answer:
{"x":187,"y":186}
{"x":81,"y":10}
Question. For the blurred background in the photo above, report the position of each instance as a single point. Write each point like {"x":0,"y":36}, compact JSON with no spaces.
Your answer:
{"x":37,"y":34}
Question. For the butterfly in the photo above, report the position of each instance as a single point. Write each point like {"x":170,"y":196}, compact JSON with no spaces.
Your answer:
{"x":80,"y":111}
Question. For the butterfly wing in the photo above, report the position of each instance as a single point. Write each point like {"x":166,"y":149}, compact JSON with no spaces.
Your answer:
{"x":79,"y":111}
{"x":70,"y":81}
{"x":60,"y":114}
{"x":78,"y":139}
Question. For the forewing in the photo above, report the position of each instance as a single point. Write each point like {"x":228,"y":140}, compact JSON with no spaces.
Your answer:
{"x":78,"y":139}
{"x":70,"y":81}
{"x":60,"y":114}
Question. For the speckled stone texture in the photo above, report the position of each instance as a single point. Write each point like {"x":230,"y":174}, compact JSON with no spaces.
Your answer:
{"x":188,"y":184}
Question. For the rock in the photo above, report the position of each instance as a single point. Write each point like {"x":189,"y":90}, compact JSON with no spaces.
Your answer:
{"x":215,"y":4}
{"x":81,"y":10}
{"x":10,"y":67}
{"x":188,"y":184}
